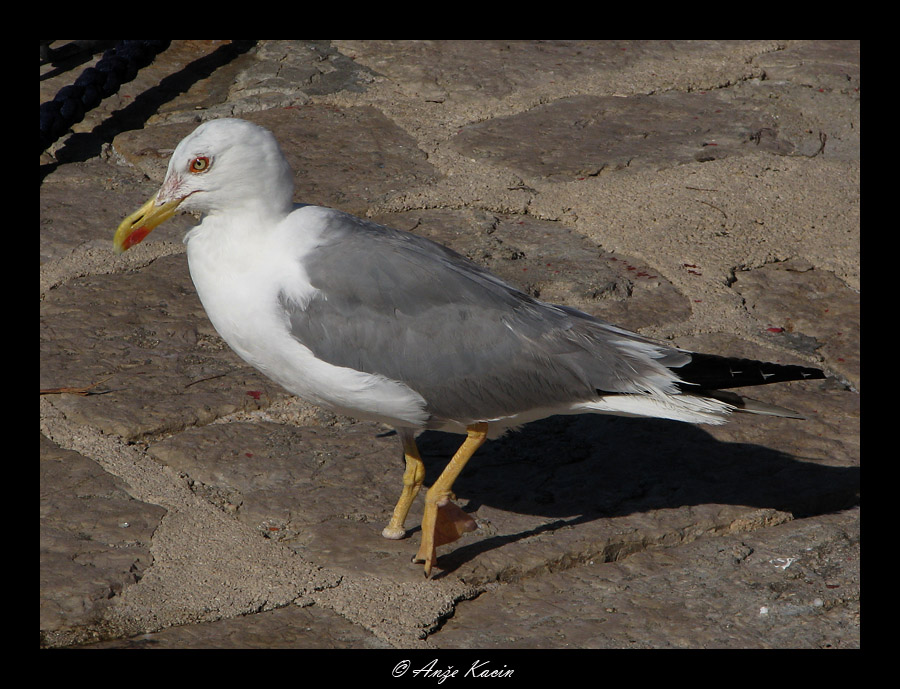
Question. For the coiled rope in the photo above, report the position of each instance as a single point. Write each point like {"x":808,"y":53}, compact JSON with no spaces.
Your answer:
{"x":118,"y":66}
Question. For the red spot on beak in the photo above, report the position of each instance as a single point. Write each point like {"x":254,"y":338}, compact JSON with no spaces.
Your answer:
{"x":135,"y":237}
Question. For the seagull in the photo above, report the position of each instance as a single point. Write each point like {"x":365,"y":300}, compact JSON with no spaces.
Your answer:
{"x":384,"y":325}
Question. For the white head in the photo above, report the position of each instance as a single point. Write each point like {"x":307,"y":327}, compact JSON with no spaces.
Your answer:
{"x":225,"y":165}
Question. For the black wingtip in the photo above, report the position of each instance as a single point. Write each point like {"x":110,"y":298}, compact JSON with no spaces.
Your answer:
{"x":714,"y":372}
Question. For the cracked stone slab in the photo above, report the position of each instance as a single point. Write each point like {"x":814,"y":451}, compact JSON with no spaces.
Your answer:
{"x":207,"y":568}
{"x":204,"y":565}
{"x":820,"y":307}
{"x":585,"y":136}
{"x":316,"y":67}
{"x":403,"y":613}
{"x":146,"y":339}
{"x":816,"y":64}
{"x":287,"y":481}
{"x":716,"y":217}
{"x":210,"y":568}
{"x":95,"y":538}
{"x":450,"y":72}
{"x":83,"y":203}
{"x":359,"y":612}
{"x":817,"y":121}
{"x":788,"y":587}
{"x":309,"y":627}
{"x":270,"y":75}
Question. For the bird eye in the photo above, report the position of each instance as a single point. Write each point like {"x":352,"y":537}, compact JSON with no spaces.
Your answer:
{"x":200,"y":164}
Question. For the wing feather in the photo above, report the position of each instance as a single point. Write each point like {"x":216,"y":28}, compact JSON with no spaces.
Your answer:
{"x":400,"y":305}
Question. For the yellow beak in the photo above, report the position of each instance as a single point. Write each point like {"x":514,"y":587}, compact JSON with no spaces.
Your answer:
{"x":138,"y":225}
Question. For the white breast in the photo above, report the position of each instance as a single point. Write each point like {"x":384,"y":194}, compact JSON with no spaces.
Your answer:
{"x":240,"y":290}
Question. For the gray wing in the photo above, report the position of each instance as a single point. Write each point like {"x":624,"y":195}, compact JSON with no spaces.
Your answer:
{"x":412,"y":310}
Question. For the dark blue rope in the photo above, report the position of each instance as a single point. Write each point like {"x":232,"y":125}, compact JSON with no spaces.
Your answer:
{"x":117,"y":66}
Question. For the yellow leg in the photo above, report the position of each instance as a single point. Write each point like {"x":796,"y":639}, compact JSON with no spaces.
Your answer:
{"x":444,"y":522}
{"x":412,"y":481}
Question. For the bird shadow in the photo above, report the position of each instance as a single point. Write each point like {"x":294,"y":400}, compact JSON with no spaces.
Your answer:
{"x":577,"y":469}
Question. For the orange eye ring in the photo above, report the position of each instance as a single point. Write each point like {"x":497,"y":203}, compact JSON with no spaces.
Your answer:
{"x":199,"y":164}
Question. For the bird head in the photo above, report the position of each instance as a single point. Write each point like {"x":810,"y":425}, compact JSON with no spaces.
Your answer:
{"x":223,"y":165}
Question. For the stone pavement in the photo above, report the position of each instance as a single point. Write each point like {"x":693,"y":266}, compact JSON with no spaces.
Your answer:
{"x":703,"y":192}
